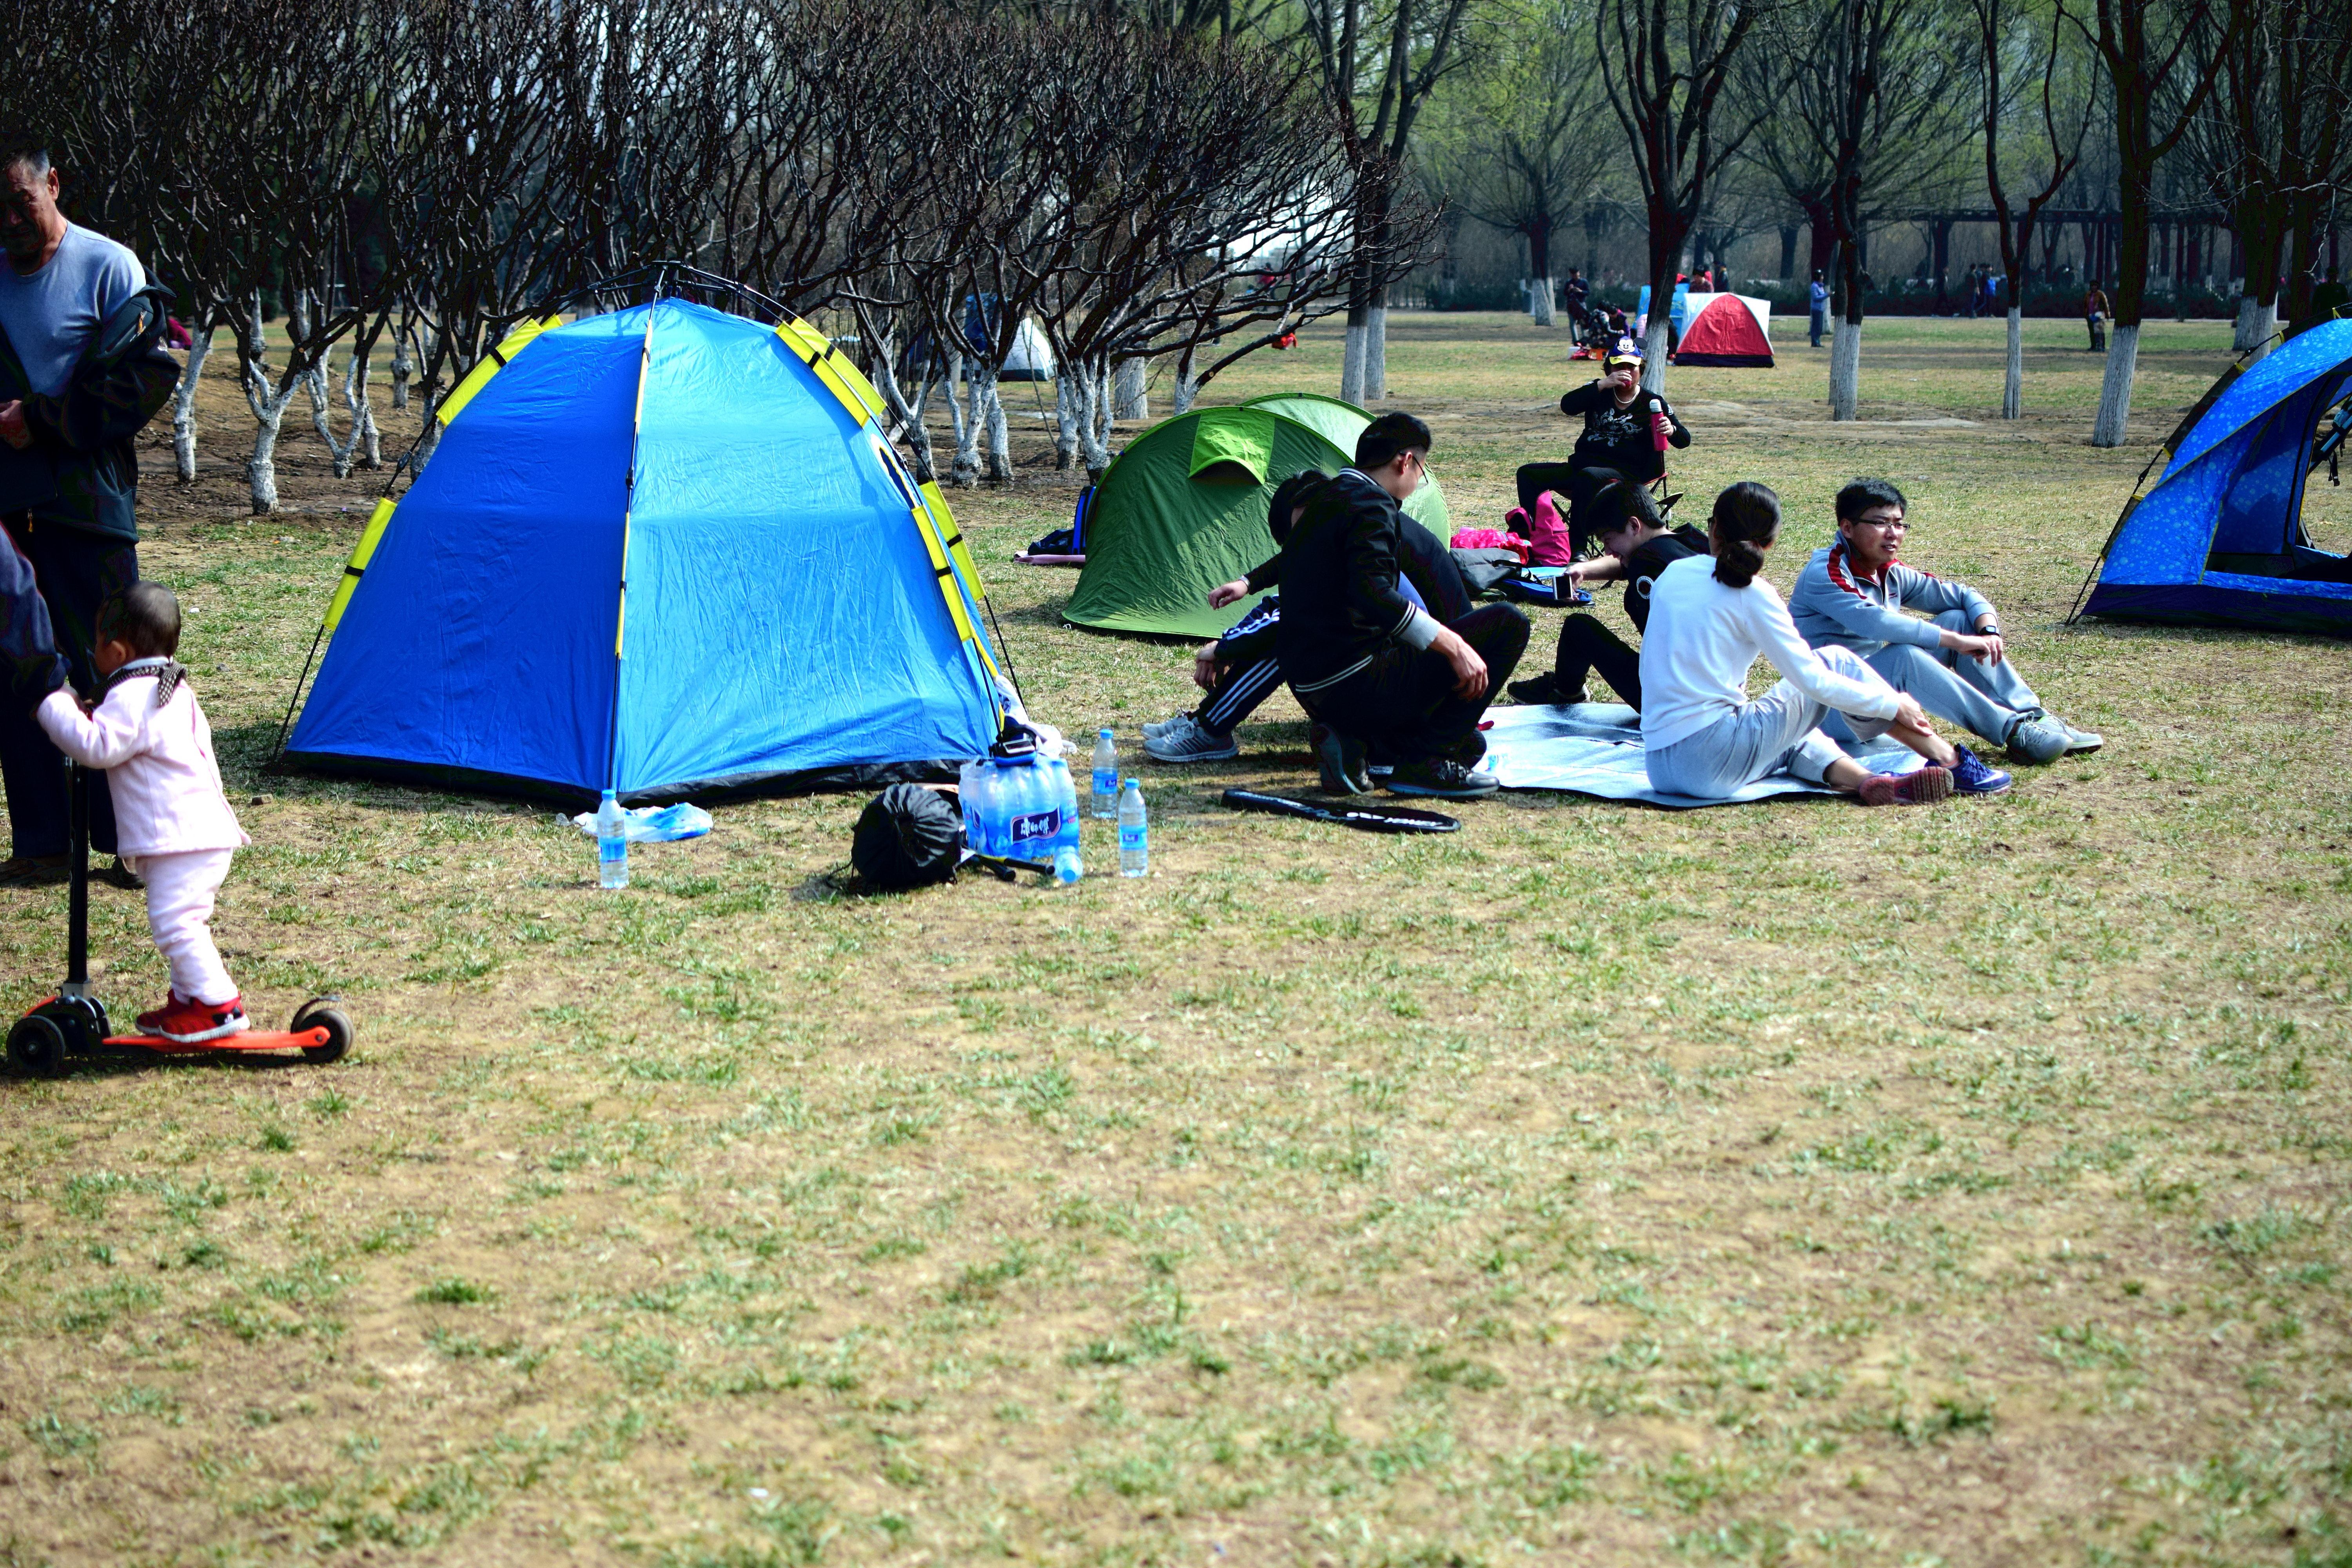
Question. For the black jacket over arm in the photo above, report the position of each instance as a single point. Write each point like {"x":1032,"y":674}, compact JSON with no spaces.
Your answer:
{"x":1619,"y":437}
{"x":1340,"y":599}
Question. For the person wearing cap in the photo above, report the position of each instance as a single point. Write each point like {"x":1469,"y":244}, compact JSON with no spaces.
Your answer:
{"x":1637,"y":544}
{"x":1622,"y":423}
{"x":1817,"y":299}
{"x":1239,"y":671}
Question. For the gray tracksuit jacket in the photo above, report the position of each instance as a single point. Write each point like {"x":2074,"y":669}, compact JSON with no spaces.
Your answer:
{"x":1834,"y":604}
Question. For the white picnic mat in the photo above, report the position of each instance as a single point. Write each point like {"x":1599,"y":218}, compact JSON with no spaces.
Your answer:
{"x":1595,"y":748}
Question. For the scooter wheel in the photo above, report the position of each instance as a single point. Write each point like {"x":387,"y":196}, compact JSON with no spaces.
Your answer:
{"x":317,"y":1015}
{"x":37,"y":1047}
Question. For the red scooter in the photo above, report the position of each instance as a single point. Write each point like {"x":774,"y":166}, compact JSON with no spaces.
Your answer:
{"x":43,"y":1043}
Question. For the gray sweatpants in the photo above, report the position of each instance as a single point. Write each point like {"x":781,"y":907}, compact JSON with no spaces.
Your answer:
{"x":1780,"y":731}
{"x":1985,"y":698}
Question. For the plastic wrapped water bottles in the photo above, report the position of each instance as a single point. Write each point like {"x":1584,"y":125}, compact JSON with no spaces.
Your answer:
{"x":1067,"y":865}
{"x":612,"y":843}
{"x":1134,"y":832}
{"x":1106,"y":780}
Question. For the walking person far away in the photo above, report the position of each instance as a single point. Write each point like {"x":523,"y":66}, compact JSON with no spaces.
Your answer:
{"x":81,"y":371}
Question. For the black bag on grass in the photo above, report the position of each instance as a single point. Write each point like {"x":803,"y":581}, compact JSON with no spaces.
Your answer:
{"x":906,"y":836}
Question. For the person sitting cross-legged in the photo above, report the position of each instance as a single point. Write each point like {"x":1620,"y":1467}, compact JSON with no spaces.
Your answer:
{"x":1239,"y":671}
{"x":1854,"y":594}
{"x":1636,"y":545}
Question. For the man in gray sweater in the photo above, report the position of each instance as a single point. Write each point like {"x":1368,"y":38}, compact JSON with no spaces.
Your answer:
{"x":1855,"y":594}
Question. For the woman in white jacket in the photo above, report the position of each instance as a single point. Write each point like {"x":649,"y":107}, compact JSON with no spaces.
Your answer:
{"x":1710,"y":618}
{"x":172,"y":817}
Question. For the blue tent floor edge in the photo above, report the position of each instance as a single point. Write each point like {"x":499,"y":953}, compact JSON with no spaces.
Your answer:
{"x":442,"y":779}
{"x":2209,"y":605}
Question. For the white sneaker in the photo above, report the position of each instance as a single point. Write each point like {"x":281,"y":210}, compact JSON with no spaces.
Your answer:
{"x":1157,"y":725}
{"x":1183,"y":739}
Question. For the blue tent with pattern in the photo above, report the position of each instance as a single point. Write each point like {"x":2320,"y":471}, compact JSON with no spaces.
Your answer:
{"x":2220,"y":539}
{"x":666,"y":551}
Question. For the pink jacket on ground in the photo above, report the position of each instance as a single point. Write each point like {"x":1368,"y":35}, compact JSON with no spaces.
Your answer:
{"x":159,"y":765}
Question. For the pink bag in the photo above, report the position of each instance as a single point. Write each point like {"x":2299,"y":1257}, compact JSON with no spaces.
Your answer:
{"x":1488,"y":539}
{"x":1552,"y":546}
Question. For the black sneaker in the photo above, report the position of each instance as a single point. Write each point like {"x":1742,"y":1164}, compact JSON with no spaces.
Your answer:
{"x":1342,"y":760}
{"x":1444,"y":778}
{"x":1536,"y":690}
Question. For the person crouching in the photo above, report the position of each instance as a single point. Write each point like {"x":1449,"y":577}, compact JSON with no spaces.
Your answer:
{"x":172,"y":817}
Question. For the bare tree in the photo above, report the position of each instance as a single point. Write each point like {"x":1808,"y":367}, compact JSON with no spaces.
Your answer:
{"x":1665,"y":67}
{"x":2007,"y":32}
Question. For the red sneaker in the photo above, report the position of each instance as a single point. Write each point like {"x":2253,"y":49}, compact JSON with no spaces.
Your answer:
{"x":153,"y":1023}
{"x":1927,"y":783}
{"x":186,"y":1023}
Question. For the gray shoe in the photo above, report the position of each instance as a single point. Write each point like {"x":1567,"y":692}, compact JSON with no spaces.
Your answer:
{"x":2077,"y":740}
{"x":1156,"y":726}
{"x":2039,"y":740}
{"x":1185,"y":739}
{"x":1342,"y":760}
{"x":1442,"y":778}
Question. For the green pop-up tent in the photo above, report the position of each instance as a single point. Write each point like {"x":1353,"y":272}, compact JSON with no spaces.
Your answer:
{"x":1183,"y":508}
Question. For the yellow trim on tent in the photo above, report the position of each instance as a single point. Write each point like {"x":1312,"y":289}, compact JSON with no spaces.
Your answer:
{"x":364,"y":552}
{"x":490,"y":364}
{"x":944,"y":521}
{"x":840,"y":375}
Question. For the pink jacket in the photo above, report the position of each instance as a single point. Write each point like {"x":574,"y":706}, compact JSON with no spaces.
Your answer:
{"x":158,"y":761}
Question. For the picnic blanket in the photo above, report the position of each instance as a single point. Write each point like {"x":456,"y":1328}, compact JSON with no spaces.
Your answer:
{"x":1595,"y":748}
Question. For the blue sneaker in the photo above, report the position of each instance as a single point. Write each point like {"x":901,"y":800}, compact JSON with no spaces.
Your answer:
{"x":1971,"y":775}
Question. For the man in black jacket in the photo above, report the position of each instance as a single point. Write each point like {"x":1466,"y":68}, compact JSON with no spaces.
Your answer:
{"x":1380,"y":674}
{"x":81,"y":371}
{"x":1637,"y":546}
{"x":1622,"y":425}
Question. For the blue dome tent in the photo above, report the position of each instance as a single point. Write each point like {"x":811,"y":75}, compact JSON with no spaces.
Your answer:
{"x":666,"y":551}
{"x":2219,"y":539}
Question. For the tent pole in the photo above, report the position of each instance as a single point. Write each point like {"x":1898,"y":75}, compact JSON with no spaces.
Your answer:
{"x":628,"y":510}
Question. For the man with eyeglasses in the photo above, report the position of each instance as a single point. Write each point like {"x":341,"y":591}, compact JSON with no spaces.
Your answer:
{"x":1951,"y":656}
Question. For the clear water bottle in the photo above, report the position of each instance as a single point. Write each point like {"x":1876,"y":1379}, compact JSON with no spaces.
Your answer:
{"x":1134,"y":832}
{"x":980,"y":810}
{"x":968,"y":799}
{"x":1068,"y":867}
{"x":1106,"y":775}
{"x":612,"y":843}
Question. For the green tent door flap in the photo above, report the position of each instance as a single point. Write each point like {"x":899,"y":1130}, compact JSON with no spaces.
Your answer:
{"x":1339,"y":422}
{"x":1231,"y":446}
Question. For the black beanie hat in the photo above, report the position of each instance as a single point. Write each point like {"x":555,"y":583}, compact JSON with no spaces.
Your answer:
{"x":1288,"y":497}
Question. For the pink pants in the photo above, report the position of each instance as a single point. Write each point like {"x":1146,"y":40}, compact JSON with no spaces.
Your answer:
{"x":180,"y":889}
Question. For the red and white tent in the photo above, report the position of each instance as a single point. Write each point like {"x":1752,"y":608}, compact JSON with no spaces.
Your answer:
{"x":1726,"y":330}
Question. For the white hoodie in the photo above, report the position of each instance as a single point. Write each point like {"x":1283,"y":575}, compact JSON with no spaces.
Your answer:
{"x":159,"y":763}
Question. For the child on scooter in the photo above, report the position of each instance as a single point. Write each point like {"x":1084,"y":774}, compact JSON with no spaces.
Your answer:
{"x":173,"y":821}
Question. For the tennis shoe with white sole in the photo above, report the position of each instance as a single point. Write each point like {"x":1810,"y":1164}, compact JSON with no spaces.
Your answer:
{"x":1185,"y":739}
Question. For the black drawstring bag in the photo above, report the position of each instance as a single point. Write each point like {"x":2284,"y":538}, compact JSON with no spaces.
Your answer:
{"x":908,"y":836}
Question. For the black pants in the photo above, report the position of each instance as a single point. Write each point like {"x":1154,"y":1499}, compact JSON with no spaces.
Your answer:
{"x":1579,"y":482}
{"x":77,"y":572}
{"x":1588,"y":648}
{"x":1403,"y":705}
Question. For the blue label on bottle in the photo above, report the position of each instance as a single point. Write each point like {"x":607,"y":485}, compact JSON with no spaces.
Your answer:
{"x":613,"y":849}
{"x":1036,"y":825}
{"x":1130,"y":839}
{"x":1106,"y":780}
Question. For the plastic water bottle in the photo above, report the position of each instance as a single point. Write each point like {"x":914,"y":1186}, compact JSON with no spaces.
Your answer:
{"x":1106,"y":775}
{"x":612,"y":843}
{"x":980,"y":811}
{"x":1067,"y":865}
{"x":1134,"y":832}
{"x":1035,"y":817}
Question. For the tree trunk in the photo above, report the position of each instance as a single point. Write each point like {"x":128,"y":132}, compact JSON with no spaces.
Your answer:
{"x":257,"y":334}
{"x":1130,"y":393}
{"x":1654,"y":340}
{"x":2012,"y":378}
{"x":1351,"y":367}
{"x":1542,"y":295}
{"x":184,"y":400}
{"x":1846,"y":368}
{"x":1188,"y":385}
{"x":403,"y":367}
{"x":964,"y":414}
{"x":2114,"y":392}
{"x":269,"y":416}
{"x":999,"y":437}
{"x":1376,"y":350}
{"x":1788,"y":251}
{"x":1094,"y":419}
{"x":1067,"y":401}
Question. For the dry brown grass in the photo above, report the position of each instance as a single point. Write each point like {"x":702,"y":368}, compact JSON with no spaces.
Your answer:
{"x":1783,"y":1184}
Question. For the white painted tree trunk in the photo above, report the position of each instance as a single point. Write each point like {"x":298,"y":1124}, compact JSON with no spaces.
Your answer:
{"x":1068,"y":405}
{"x":361,"y":409}
{"x":1654,"y":352}
{"x":999,"y":437}
{"x":1130,"y":393}
{"x":428,"y":436}
{"x":269,"y":407}
{"x":359,"y":447}
{"x":1542,"y":301}
{"x":1846,"y":368}
{"x":1098,"y":404}
{"x":257,"y":330}
{"x":1351,"y":367}
{"x":2115,"y":391}
{"x":1376,"y":355}
{"x":1188,"y":385}
{"x":884,"y":377}
{"x":2262,"y":323}
{"x":965,"y":414}
{"x":184,"y":400}
{"x":402,"y":365}
{"x":2012,"y":379}
{"x":2242,"y":336}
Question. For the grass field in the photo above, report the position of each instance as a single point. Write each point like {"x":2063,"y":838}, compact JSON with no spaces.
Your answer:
{"x":1783,"y":1184}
